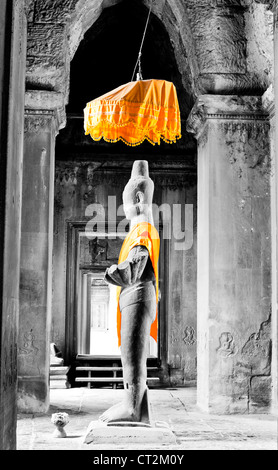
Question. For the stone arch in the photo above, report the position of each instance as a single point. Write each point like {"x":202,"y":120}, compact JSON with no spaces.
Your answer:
{"x":216,"y":42}
{"x":171,"y":13}
{"x":56,"y":29}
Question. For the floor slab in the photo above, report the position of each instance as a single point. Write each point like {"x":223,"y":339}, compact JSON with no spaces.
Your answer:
{"x":193,"y":429}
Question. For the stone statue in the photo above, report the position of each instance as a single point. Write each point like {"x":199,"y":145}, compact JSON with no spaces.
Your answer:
{"x":56,"y":358}
{"x":136,"y":276}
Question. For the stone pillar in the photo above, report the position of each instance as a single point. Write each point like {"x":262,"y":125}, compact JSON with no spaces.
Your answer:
{"x":36,"y":252}
{"x":13,"y":32}
{"x":275,"y":215}
{"x":234,"y":254}
{"x":268,"y":102}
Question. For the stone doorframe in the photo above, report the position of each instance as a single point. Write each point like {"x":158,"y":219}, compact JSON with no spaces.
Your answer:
{"x":73,"y":228}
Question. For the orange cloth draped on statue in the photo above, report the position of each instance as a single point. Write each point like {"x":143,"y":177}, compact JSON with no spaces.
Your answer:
{"x":146,"y":109}
{"x":142,"y":234}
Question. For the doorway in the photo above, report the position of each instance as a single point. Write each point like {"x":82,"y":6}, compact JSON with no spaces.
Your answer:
{"x":97,"y":325}
{"x":91,"y":312}
{"x":97,"y":329}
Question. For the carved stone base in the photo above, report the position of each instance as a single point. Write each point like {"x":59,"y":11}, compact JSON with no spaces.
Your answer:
{"x":129,"y":433}
{"x":58,"y":377}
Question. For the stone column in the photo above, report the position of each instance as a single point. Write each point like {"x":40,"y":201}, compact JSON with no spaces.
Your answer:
{"x":234,"y":254}
{"x":268,"y":102}
{"x":41,"y":126}
{"x":275,"y":214}
{"x":13,"y":32}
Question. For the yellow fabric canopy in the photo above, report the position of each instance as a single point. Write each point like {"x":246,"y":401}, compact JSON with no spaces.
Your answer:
{"x":145,"y":109}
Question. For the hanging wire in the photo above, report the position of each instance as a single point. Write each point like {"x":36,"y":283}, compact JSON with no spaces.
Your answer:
{"x":139,"y":75}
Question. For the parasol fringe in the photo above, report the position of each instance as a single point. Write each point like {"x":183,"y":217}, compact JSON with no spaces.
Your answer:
{"x":135,"y":144}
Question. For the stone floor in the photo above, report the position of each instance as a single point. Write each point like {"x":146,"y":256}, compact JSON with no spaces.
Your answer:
{"x":194,"y":430}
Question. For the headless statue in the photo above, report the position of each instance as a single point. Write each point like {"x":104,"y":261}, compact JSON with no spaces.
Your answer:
{"x":137,"y":280}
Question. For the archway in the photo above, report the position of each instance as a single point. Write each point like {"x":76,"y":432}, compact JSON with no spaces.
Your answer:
{"x":218,"y":55}
{"x":88,"y":172}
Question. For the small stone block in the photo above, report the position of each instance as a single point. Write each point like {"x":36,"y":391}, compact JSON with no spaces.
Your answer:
{"x":129,"y":433}
{"x":59,"y":370}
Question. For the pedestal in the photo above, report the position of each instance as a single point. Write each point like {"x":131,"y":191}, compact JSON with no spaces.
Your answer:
{"x":129,"y":434}
{"x":234,"y":254}
{"x":59,"y":377}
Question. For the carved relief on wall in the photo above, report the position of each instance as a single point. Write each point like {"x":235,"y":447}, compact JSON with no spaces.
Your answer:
{"x":174,"y":336}
{"x":66,"y":176}
{"x":88,"y":177}
{"x":190,"y":337}
{"x":65,"y":182}
{"x":28,"y":348}
{"x":29,"y":7}
{"x":226,"y":3}
{"x":257,"y":350}
{"x":248,"y":145}
{"x":37,"y":122}
{"x":227,"y":347}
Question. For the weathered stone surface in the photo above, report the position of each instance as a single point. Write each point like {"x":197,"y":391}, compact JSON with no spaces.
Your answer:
{"x":232,"y":396}
{"x":30,"y":9}
{"x":36,"y":261}
{"x":193,"y":429}
{"x":40,"y":99}
{"x":113,"y":249}
{"x":99,"y":433}
{"x":224,"y":106}
{"x":32,"y":393}
{"x":47,"y":57}
{"x":53,"y":11}
{"x":234,"y":250}
{"x":238,"y":31}
{"x":46,"y":100}
{"x":260,"y":394}
{"x":13,"y":30}
{"x":222,"y":53}
{"x":257,"y":350}
{"x":46,"y":40}
{"x":47,"y":74}
{"x":223,"y":50}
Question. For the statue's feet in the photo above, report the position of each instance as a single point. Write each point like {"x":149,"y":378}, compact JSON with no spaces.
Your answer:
{"x":119,"y":412}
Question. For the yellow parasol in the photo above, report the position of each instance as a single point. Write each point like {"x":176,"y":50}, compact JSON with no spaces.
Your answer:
{"x":145,"y":109}
{"x":137,"y":111}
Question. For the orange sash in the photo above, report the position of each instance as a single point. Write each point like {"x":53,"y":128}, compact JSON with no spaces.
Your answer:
{"x":142,"y":234}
